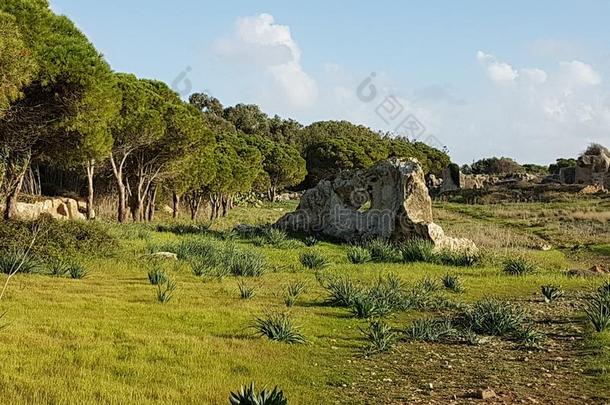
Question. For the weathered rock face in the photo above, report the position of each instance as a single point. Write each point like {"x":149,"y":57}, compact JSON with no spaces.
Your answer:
{"x":389,"y":201}
{"x":57,"y":208}
{"x":593,"y":167}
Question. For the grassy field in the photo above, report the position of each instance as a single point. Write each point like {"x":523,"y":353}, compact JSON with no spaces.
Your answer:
{"x":106,"y":339}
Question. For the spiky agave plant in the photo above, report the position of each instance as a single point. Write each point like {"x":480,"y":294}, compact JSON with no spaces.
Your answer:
{"x":247,"y":395}
{"x":279,"y":327}
{"x":551,"y":292}
{"x":380,"y":336}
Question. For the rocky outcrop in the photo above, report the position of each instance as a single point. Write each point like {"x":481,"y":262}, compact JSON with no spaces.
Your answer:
{"x":389,"y":201}
{"x":593,"y":167}
{"x":57,"y":208}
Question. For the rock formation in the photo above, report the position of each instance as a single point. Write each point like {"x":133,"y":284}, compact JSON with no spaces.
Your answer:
{"x":593,"y":167}
{"x":58,"y":208}
{"x":388,"y":201}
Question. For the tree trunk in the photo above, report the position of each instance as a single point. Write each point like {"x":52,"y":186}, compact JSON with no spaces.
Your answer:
{"x":15,"y":172}
{"x":225,"y":206}
{"x":117,"y":169}
{"x":152,"y":197}
{"x":272,"y":193}
{"x":90,"y":169}
{"x":175,"y":205}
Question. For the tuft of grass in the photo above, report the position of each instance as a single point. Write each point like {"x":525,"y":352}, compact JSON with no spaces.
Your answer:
{"x":551,"y":292}
{"x":366,"y":306}
{"x":248,"y":395}
{"x":77,"y":272}
{"x":518,"y":266}
{"x":458,"y":258}
{"x":342,"y":291}
{"x":453,"y":283}
{"x":597,"y":309}
{"x":314,"y":260}
{"x":380,"y":337}
{"x":382,"y":251}
{"x":276,"y":238}
{"x":494,"y":317}
{"x":358,"y":255}
{"x":18,"y":260}
{"x":311,"y":241}
{"x":156,"y":275}
{"x":201,"y":268}
{"x":430,"y":329}
{"x":529,"y":338}
{"x":279,"y":327}
{"x":246,"y":291}
{"x":293,"y":292}
{"x":604,"y":289}
{"x":244,"y":263}
{"x":165,"y":291}
{"x":418,"y":250}
{"x":58,"y":268}
{"x":427,"y":285}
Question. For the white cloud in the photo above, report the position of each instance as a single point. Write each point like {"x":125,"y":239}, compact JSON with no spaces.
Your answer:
{"x":534,"y":75}
{"x":499,"y":72}
{"x":261,"y":41}
{"x":579,"y":74}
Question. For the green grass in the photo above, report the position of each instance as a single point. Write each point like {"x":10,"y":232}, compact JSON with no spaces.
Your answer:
{"x":106,"y":339}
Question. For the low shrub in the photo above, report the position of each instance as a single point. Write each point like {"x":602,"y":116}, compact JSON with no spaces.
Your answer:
{"x":156,"y":275}
{"x":458,"y":258}
{"x":551,"y":292}
{"x":382,"y":251}
{"x":247,"y":395}
{"x":358,"y":255}
{"x":279,"y":327}
{"x":529,"y":338}
{"x":165,"y":291}
{"x":418,"y":250}
{"x":453,"y":283}
{"x":518,"y":266}
{"x":277,"y":238}
{"x":18,"y":261}
{"x":597,"y":309}
{"x":58,"y":267}
{"x":380,"y":337}
{"x":311,"y":241}
{"x":184,"y":229}
{"x":494,"y":317}
{"x":366,"y":306}
{"x":293,"y":292}
{"x":246,"y":291}
{"x":342,"y":291}
{"x":77,"y":272}
{"x":244,"y":263}
{"x":430,"y":329}
{"x":314,"y":260}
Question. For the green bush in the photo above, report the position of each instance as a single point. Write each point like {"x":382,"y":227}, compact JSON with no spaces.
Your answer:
{"x":55,"y":239}
{"x":597,"y":309}
{"x":249,"y":396}
{"x":246,"y":291}
{"x":380,"y":337}
{"x":311,"y":241}
{"x":58,"y":267}
{"x":18,"y":261}
{"x":494,"y":317}
{"x":184,"y":229}
{"x":551,"y":292}
{"x":358,"y":255}
{"x":453,"y":283}
{"x":157,"y":276}
{"x":244,"y":263}
{"x":430,"y":329}
{"x":529,"y":338}
{"x":366,"y":306}
{"x":165,"y":291}
{"x":314,"y":260}
{"x":293,"y":292}
{"x":279,"y":327}
{"x":342,"y":291}
{"x":77,"y":271}
{"x":382,"y":251}
{"x":518,"y":266}
{"x":418,"y":250}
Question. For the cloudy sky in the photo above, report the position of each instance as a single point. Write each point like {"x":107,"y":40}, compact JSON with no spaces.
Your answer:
{"x":529,"y":80}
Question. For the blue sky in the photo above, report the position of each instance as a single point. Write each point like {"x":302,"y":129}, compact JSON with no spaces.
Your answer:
{"x":522,"y":79}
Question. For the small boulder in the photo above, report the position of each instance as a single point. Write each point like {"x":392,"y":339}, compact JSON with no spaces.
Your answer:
{"x":165,"y":256}
{"x":486,"y":394}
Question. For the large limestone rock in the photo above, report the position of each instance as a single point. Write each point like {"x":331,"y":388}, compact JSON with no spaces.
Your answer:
{"x":57,"y":208}
{"x":593,"y":167}
{"x":389,"y":201}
